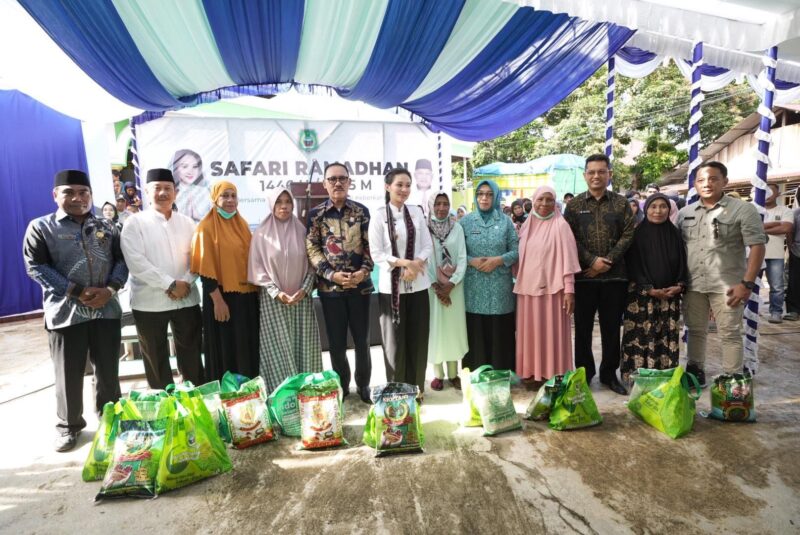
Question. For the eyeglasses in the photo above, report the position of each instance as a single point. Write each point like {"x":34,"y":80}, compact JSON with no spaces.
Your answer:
{"x":335,"y":179}
{"x":485,"y":194}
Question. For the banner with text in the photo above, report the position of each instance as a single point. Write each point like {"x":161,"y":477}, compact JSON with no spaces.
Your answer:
{"x":261,"y":154}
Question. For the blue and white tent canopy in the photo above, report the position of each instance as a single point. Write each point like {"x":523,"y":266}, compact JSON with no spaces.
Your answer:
{"x":475,"y":69}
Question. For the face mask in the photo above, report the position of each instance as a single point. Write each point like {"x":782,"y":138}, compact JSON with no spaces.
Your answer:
{"x":225,"y":214}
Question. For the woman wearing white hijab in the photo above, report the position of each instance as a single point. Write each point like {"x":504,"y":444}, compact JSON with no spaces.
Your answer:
{"x":447,"y":338}
{"x":289,"y":337}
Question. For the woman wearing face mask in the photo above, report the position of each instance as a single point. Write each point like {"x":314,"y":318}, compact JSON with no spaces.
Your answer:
{"x":545,"y":288}
{"x":447,"y":340}
{"x":230,"y":303}
{"x":492,"y":244}
{"x":401,"y":246}
{"x":658,"y":275}
{"x":288,"y":336}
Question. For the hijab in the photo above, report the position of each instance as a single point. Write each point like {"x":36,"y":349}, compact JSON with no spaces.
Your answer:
{"x":278,"y":250}
{"x":220,"y":246}
{"x":556,"y":252}
{"x":125,"y":193}
{"x":518,"y":220}
{"x":440,"y":228}
{"x":486,"y":215}
{"x":657,"y":256}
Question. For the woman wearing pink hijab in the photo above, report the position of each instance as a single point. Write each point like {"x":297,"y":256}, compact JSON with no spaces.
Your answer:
{"x":278,"y":264}
{"x":545,"y":288}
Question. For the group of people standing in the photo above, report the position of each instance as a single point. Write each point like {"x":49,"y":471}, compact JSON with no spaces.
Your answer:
{"x":478,"y":287}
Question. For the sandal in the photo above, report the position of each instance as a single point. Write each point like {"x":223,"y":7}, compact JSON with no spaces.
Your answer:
{"x":456,"y":383}
{"x":437,"y":384}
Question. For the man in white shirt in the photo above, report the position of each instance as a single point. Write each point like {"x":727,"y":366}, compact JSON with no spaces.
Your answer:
{"x":163,"y":291}
{"x":778,"y":222}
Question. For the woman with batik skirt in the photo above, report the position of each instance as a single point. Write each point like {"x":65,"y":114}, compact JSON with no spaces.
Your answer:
{"x":658,"y":274}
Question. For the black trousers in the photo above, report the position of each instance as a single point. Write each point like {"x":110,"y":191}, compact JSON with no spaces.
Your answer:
{"x":492,"y":340}
{"x":341,"y":312}
{"x":793,"y":289}
{"x":607,"y":299}
{"x":69,"y":346}
{"x":187,"y":331}
{"x":405,"y":346}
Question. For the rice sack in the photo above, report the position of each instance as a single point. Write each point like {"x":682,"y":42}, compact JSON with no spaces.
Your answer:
{"x":247,"y":414}
{"x":102,"y":450}
{"x":574,"y":406}
{"x":393,"y":424}
{"x":137,"y":452}
{"x":321,"y":415}
{"x":283,"y":405}
{"x":732,"y":398}
{"x":491,"y":395}
{"x":539,"y":408}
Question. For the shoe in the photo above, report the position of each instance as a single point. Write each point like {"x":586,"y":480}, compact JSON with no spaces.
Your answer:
{"x":775,"y":317}
{"x":364,"y":394}
{"x":698,"y":373}
{"x":456,"y":383}
{"x":616,"y":386}
{"x":66,"y":442}
{"x":791,"y":316}
{"x":437,"y":384}
{"x":712,"y":326}
{"x":345,"y":393}
{"x":747,"y":372}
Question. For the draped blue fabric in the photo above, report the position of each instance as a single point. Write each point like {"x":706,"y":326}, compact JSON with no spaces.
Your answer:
{"x":635,"y":55}
{"x":532,"y":64}
{"x":35,"y":143}
{"x":258,"y":41}
{"x":412,"y":35}
{"x":783,"y":85}
{"x":94,"y":36}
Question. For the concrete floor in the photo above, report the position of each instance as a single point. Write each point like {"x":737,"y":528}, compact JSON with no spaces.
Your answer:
{"x":619,"y":477}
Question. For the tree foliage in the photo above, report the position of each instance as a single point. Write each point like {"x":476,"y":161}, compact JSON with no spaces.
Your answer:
{"x":653,"y":110}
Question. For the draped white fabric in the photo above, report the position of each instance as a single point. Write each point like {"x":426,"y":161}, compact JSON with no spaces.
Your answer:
{"x":781,"y":96}
{"x":689,"y":20}
{"x":741,"y":62}
{"x":707,"y":83}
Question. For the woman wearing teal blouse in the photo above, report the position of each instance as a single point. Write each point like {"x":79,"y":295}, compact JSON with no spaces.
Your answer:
{"x":488,"y":286}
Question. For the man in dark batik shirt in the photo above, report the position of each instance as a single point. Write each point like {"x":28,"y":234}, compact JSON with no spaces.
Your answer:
{"x":603,"y":224}
{"x":339,"y":251}
{"x":77,"y":260}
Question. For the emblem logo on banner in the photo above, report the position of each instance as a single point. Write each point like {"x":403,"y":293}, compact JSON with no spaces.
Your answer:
{"x":308,"y":140}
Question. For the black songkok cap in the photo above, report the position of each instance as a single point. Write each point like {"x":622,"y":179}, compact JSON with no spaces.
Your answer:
{"x":71,"y":176}
{"x":423,"y":164}
{"x":160,"y":175}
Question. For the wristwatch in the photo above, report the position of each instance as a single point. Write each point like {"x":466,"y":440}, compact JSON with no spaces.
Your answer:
{"x":750,"y":285}
{"x":172,"y":286}
{"x":112,"y":290}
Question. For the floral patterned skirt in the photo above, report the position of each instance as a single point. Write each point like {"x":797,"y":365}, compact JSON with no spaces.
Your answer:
{"x":651,"y":333}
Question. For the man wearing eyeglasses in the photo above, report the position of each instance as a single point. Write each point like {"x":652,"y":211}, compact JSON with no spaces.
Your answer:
{"x":338,"y":247}
{"x":603,"y":225}
{"x":716,"y":229}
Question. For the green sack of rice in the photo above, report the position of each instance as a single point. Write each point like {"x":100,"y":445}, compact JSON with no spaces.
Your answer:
{"x":574,"y":406}
{"x":732,"y":398}
{"x":133,"y":469}
{"x":321,"y":415}
{"x":539,"y":408}
{"x":491,"y":395}
{"x":247,"y":414}
{"x":193,"y":449}
{"x":393,"y":424}
{"x":670,"y":406}
{"x":469,"y":412}
{"x":283,"y":404}
{"x":94,"y":469}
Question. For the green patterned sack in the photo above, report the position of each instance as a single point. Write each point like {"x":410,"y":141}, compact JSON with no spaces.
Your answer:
{"x":94,"y":469}
{"x":539,"y":408}
{"x":732,"y":398}
{"x":667,"y":406}
{"x":247,"y":414}
{"x":283,"y":404}
{"x":393,"y":423}
{"x":491,"y":396}
{"x":193,"y":449}
{"x":574,"y":406}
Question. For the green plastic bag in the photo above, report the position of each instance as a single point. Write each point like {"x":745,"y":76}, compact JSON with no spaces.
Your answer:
{"x":247,"y":414}
{"x":393,"y":423}
{"x":574,"y":406}
{"x":321,"y":415}
{"x":283,"y":404}
{"x":668,"y":406}
{"x":541,"y":405}
{"x":732,"y":398}
{"x":94,"y":469}
{"x":193,"y":449}
{"x":232,"y":382}
{"x":210,"y":393}
{"x":470,"y":417}
{"x":147,"y":395}
{"x":137,"y":450}
{"x":491,"y":395}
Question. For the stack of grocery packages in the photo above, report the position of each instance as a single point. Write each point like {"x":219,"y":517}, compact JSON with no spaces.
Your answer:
{"x":154,"y":441}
